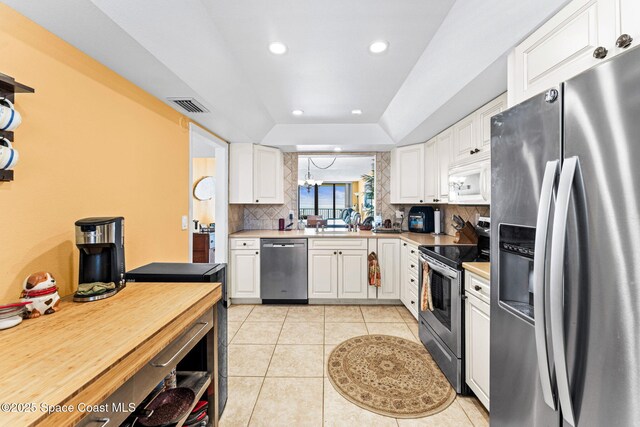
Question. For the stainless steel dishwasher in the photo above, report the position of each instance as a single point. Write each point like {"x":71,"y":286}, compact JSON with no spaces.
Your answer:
{"x":283,"y":271}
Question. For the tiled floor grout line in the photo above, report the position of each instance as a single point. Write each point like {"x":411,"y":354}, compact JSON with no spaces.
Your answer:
{"x":264,"y":378}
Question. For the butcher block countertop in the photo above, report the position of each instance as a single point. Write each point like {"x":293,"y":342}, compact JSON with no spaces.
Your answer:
{"x":86,"y":351}
{"x":482,"y":269}
{"x":310,"y":233}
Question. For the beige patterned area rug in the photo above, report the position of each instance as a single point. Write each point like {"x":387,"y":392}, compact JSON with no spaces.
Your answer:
{"x":390,"y":376}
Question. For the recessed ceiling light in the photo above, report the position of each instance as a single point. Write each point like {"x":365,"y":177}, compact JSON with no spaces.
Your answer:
{"x":278,"y":48}
{"x":337,"y":149}
{"x":297,"y":112}
{"x":378,"y":46}
{"x":356,"y":112}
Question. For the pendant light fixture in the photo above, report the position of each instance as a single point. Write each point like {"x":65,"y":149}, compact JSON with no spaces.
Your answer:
{"x":309,"y":182}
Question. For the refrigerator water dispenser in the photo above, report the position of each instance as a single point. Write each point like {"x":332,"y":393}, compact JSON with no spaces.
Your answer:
{"x":516,"y":262}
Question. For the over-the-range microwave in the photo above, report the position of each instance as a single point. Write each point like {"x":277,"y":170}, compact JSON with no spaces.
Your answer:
{"x":471,"y":184}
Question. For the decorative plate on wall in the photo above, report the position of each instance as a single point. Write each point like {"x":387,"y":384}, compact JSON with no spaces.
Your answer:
{"x":205,"y":188}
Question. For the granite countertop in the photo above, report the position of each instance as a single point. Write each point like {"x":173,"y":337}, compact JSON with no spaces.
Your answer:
{"x":482,"y":269}
{"x":414,"y":238}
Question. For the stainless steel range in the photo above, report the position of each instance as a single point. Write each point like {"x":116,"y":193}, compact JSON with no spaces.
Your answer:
{"x":441,"y":328}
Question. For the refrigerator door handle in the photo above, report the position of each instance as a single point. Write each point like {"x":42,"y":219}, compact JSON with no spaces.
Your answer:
{"x":556,"y":295}
{"x":547,"y":196}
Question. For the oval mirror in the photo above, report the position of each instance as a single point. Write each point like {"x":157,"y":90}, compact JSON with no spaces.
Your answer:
{"x":205,"y":188}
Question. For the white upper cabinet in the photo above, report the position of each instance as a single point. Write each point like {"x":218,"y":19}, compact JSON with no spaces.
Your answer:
{"x":464,"y":138}
{"x":443,"y":150}
{"x":407,"y":174}
{"x":484,"y":116}
{"x":255,"y":174}
{"x":268,"y":186}
{"x":578,"y":37}
{"x":431,"y":171}
{"x":241,"y":173}
{"x":627,"y":21}
{"x":472,"y":135}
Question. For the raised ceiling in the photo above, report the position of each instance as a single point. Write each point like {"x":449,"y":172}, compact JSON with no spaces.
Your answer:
{"x":445,"y":58}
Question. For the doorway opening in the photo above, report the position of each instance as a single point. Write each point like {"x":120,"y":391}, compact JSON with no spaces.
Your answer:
{"x":208,"y":196}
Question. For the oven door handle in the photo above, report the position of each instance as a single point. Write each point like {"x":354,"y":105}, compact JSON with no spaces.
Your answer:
{"x":437,"y":268}
{"x":547,"y":197}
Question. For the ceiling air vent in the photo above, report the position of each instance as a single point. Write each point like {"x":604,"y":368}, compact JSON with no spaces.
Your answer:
{"x":190,"y":105}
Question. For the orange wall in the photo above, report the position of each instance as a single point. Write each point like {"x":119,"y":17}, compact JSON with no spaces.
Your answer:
{"x":91,"y":144}
{"x":203,"y":210}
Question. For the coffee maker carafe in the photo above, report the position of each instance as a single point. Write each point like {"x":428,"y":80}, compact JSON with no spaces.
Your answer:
{"x":101,"y":245}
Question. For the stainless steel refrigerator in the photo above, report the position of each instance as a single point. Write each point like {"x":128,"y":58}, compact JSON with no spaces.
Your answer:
{"x":565,"y":271}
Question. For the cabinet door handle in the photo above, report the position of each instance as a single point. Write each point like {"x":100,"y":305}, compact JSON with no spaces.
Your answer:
{"x":477,"y":288}
{"x":340,"y":252}
{"x":257,"y":253}
{"x":244,"y":244}
{"x":471,"y":152}
{"x":477,"y":150}
{"x":257,"y":201}
{"x":600,"y":52}
{"x":404,"y":244}
{"x":412,"y":280}
{"x":162,"y":365}
{"x":624,"y":41}
{"x":413,"y":266}
{"x":412,"y":251}
{"x":421,"y":201}
{"x":413,"y":302}
{"x":436,"y":200}
{"x":335,"y":253}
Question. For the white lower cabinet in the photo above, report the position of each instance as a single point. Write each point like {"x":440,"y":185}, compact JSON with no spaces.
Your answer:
{"x":477,"y":338}
{"x":245,"y":273}
{"x":389,"y":259}
{"x":409,"y":277}
{"x":323,"y":274}
{"x":338,"y":273}
{"x":352,"y":274}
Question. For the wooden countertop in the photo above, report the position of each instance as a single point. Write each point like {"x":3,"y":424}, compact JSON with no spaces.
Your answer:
{"x":86,"y":351}
{"x":482,"y":269}
{"x":415,"y":238}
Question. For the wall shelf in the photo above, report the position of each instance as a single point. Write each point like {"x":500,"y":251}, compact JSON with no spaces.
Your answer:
{"x":6,"y":175}
{"x":8,"y":88}
{"x":9,"y":84}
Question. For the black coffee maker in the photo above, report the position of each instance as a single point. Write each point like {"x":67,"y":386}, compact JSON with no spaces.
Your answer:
{"x":101,"y":244}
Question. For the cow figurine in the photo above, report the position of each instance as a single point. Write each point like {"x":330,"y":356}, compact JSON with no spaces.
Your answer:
{"x":41,"y":292}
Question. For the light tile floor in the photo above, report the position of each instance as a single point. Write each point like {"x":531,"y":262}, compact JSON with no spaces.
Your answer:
{"x":277,"y":367}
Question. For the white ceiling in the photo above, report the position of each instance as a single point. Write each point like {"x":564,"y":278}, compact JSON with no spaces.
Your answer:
{"x":328,"y":70}
{"x":344,"y":169}
{"x":444,"y":61}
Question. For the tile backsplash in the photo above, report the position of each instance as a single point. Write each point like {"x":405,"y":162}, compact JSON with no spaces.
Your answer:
{"x":467,"y":212}
{"x":265,"y":217}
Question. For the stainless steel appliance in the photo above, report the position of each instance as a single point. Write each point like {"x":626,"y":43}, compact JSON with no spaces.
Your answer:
{"x":565,"y":295}
{"x":197,"y":272}
{"x":421,"y":219}
{"x":283,"y":271}
{"x":101,"y":244}
{"x":441,"y":330}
